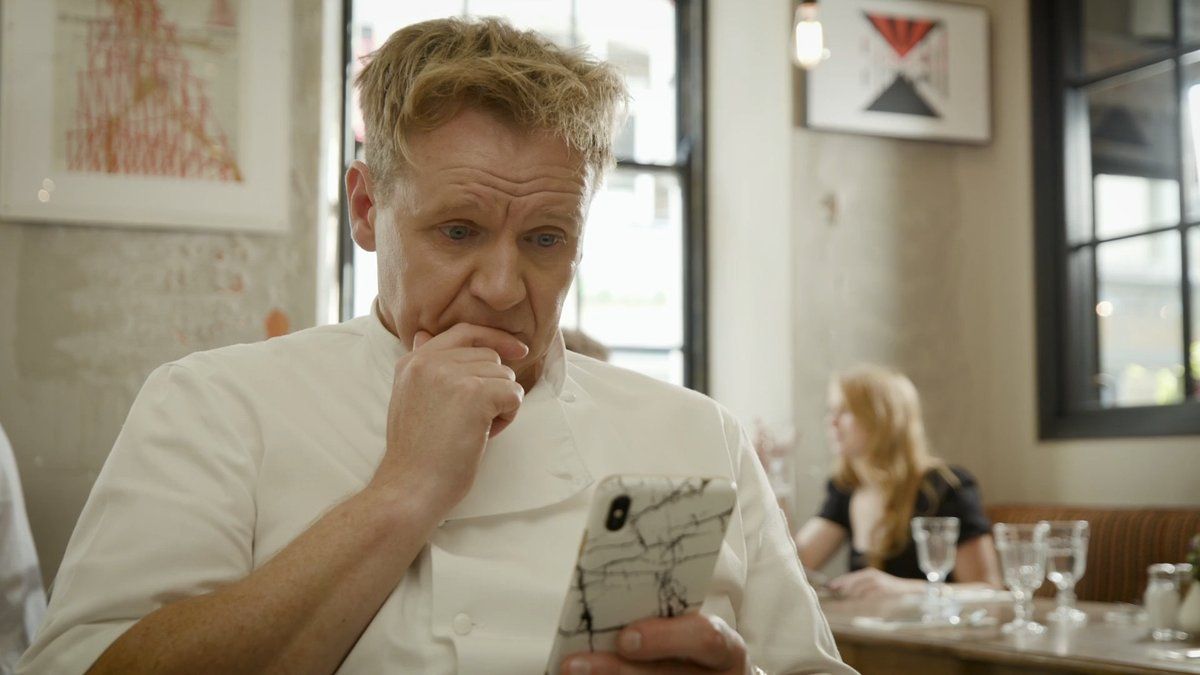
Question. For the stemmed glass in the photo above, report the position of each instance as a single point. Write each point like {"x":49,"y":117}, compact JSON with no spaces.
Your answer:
{"x":1066,"y":561}
{"x":937,"y":544}
{"x":1022,"y":551}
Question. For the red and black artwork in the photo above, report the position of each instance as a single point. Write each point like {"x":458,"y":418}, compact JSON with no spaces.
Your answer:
{"x":907,"y":60}
{"x":142,"y":109}
{"x":903,"y":68}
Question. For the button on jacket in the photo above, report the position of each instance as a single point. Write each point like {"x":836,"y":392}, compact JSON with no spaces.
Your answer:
{"x":228,"y":455}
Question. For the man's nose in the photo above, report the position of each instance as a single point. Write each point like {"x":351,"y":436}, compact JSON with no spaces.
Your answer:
{"x":498,"y":279}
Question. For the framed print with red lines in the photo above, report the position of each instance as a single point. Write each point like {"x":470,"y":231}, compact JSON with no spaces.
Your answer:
{"x":146,"y":113}
{"x":903,"y":68}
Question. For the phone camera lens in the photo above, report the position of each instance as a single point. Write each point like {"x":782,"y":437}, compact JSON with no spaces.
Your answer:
{"x":618,"y":511}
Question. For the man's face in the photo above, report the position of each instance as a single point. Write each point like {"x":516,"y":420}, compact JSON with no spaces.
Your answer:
{"x":485,"y":228}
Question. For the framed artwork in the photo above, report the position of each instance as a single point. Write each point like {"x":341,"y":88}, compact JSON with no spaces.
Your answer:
{"x":903,"y":68}
{"x":153,"y":113}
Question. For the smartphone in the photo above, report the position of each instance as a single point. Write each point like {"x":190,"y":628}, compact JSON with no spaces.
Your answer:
{"x":648,"y":550}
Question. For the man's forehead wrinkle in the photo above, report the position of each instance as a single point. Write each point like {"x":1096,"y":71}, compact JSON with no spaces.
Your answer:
{"x":440,"y":201}
{"x":552,"y":179}
{"x":463,"y":198}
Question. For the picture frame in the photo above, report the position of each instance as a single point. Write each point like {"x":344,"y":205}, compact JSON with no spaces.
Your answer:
{"x":161,"y":114}
{"x":905,"y":69}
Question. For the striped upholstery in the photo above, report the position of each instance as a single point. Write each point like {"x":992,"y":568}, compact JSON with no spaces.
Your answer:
{"x":1123,"y":543}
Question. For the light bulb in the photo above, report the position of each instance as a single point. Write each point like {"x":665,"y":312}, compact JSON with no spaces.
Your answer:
{"x":808,"y":40}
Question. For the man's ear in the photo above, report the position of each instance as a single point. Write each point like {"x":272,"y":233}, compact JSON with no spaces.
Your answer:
{"x":360,"y":199}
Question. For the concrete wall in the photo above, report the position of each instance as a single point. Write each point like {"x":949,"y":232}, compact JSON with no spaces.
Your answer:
{"x":87,"y":312}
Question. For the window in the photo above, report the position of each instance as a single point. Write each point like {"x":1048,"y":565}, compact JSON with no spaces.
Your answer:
{"x":639,"y":290}
{"x":1116,"y":130}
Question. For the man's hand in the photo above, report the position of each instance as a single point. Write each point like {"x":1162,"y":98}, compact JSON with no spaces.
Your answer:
{"x":871,"y":582}
{"x":449,"y":394}
{"x":694,"y":643}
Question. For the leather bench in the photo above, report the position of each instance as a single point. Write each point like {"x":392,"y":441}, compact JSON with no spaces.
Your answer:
{"x":1124,"y":541}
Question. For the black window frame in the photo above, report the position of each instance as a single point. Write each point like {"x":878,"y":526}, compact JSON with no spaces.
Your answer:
{"x":690,"y":167}
{"x":1059,"y":120}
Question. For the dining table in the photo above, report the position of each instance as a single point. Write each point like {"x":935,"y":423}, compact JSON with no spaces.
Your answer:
{"x":891,"y":635}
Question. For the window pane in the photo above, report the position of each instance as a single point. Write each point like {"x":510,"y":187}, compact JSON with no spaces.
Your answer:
{"x":644,"y":51}
{"x":366,"y":281}
{"x":569,"y":317}
{"x":1191,"y":20}
{"x":1079,"y":323}
{"x":1139,"y":312}
{"x":551,"y":18}
{"x":1194,"y":277}
{"x":631,"y":277}
{"x":1121,"y":32}
{"x":374,"y":21}
{"x":1134,"y":137}
{"x":664,"y":365}
{"x":1191,"y":130}
{"x":1127,"y":204}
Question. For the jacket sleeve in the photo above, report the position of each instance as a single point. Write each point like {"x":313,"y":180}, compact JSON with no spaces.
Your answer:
{"x":22,"y":600}
{"x":779,"y":617}
{"x":171,"y":516}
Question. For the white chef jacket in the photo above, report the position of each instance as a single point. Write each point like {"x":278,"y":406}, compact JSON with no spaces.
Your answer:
{"x":22,"y":599}
{"x":228,"y":455}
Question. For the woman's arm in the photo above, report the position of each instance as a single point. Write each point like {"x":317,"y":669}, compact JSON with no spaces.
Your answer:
{"x":976,"y":563}
{"x":817,"y":540}
{"x":975,"y":567}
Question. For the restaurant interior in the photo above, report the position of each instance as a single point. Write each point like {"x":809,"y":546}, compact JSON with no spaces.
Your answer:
{"x":975,"y":221}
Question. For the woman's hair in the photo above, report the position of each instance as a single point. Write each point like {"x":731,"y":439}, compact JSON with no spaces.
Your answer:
{"x":886,"y":406}
{"x":581,"y":343}
{"x":427,"y":72}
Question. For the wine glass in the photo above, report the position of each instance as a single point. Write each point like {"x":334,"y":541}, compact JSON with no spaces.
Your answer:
{"x":937,"y":544}
{"x":1022,"y":551}
{"x":1066,"y":561}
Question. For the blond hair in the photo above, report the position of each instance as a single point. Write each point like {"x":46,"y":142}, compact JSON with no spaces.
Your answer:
{"x":581,"y":343}
{"x":427,"y":72}
{"x":885,"y":403}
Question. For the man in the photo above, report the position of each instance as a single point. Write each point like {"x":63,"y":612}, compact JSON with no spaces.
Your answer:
{"x":405,"y":492}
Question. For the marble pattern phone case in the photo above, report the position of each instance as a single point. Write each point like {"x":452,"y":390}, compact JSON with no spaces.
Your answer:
{"x":656,"y":563}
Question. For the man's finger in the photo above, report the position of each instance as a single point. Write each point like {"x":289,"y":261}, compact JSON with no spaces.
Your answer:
{"x":500,"y":423}
{"x":474,"y":354}
{"x":488,"y":369}
{"x":471,"y":335}
{"x":420,"y":338}
{"x":703,"y":640}
{"x":504,"y":418}
{"x":600,"y":663}
{"x":503,"y":398}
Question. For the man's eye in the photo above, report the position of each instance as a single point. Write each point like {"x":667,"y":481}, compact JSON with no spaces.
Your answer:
{"x":456,"y":232}
{"x":547,"y":239}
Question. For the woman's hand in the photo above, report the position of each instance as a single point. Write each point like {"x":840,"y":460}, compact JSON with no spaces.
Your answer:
{"x":870,"y":582}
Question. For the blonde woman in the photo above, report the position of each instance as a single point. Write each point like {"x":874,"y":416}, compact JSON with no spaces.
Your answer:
{"x":884,"y":476}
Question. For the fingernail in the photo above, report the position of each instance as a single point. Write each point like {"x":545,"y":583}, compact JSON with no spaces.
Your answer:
{"x":630,"y":641}
{"x":580,"y":667}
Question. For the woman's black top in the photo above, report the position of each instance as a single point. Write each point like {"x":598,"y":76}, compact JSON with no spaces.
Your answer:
{"x":962,"y":501}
